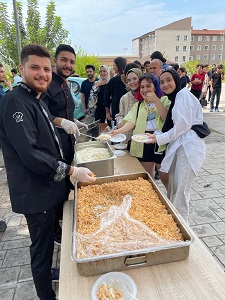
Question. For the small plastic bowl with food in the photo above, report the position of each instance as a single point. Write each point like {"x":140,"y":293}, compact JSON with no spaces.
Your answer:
{"x":114,"y":285}
{"x":103,"y":137}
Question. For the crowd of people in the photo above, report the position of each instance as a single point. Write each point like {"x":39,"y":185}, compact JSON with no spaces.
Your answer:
{"x":38,"y":132}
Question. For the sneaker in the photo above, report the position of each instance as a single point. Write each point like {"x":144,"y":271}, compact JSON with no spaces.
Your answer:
{"x":217,"y":110}
{"x":211,"y":109}
{"x":58,"y":237}
{"x":157,"y":177}
{"x":55,"y":275}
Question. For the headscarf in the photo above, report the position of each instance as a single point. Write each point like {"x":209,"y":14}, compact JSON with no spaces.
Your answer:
{"x":155,"y":81}
{"x":108,"y":72}
{"x":136,"y":71}
{"x":169,"y":122}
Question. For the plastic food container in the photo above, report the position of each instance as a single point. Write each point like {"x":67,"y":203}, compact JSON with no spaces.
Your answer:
{"x":118,"y":280}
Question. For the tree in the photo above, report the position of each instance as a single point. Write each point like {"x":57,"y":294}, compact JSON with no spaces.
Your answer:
{"x":82,"y":59}
{"x":190,"y":66}
{"x":50,"y":35}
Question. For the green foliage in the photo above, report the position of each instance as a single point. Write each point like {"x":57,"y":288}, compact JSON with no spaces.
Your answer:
{"x":50,"y":35}
{"x":82,"y":59}
{"x":190,"y":66}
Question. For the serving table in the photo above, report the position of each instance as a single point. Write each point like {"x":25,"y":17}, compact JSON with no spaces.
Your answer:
{"x":197,"y":277}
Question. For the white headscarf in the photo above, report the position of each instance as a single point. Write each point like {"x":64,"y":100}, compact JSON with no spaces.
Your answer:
{"x":108,"y":73}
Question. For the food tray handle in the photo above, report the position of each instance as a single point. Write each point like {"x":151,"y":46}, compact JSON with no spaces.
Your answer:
{"x":135,"y":261}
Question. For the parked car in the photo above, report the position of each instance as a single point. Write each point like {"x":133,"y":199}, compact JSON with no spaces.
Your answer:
{"x":75,"y":86}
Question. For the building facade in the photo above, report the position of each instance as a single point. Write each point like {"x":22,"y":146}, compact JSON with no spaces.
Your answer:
{"x":179,"y":43}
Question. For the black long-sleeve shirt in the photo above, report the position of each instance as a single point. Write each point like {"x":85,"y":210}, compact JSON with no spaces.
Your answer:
{"x":115,"y":89}
{"x":32,"y":153}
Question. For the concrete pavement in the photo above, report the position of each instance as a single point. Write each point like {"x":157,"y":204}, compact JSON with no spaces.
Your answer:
{"x":207,"y":216}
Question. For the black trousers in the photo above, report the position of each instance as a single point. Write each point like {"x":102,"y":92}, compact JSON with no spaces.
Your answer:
{"x":41,"y":228}
{"x":196,"y":93}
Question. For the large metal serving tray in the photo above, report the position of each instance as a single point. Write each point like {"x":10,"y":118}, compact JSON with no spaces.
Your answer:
{"x":100,"y":168}
{"x":135,"y":258}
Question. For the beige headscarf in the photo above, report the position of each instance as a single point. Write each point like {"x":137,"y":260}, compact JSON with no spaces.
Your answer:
{"x":108,"y":73}
{"x":137,"y":71}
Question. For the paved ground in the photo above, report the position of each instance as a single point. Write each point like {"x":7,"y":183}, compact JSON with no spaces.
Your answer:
{"x":207,"y":217}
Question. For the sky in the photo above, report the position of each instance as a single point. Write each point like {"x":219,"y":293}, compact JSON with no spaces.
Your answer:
{"x":108,"y":26}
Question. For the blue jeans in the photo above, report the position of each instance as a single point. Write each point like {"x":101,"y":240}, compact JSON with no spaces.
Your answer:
{"x":216,"y":92}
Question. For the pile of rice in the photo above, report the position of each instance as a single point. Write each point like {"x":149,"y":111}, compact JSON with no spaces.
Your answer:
{"x":92,"y":154}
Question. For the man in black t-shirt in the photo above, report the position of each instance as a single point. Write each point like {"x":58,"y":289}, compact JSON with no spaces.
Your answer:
{"x":86,"y":86}
{"x":215,"y":87}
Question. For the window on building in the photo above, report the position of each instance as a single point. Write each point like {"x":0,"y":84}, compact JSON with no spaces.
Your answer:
{"x":214,"y":38}
{"x":220,"y":57}
{"x":185,"y":37}
{"x":213,"y":47}
{"x":213,"y":56}
{"x":177,"y":48}
{"x":178,"y":37}
{"x":191,"y":48}
{"x":222,"y":38}
{"x":190,"y":58}
{"x":176,"y":59}
{"x":205,"y":57}
{"x":221,"y":47}
{"x":183,"y":58}
{"x":184,"y":48}
{"x":206,"y":48}
{"x":199,"y":48}
{"x":199,"y":38}
{"x":198,"y":57}
{"x":192,"y":38}
{"x":207,"y":38}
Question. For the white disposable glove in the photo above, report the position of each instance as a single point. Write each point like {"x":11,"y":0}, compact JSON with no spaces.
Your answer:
{"x":80,"y":124}
{"x":70,"y":127}
{"x":83,"y":174}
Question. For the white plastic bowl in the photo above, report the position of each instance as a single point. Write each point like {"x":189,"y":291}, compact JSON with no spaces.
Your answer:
{"x":118,"y":138}
{"x":118,"y":280}
{"x":120,"y":146}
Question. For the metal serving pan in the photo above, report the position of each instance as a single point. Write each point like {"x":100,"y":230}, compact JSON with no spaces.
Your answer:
{"x":100,"y":168}
{"x":135,"y":258}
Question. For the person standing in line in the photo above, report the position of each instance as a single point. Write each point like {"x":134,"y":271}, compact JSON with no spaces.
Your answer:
{"x":4,"y":80}
{"x":16,"y":77}
{"x":184,"y":79}
{"x":115,"y":89}
{"x":127,"y":100}
{"x":156,"y":67}
{"x":34,"y":161}
{"x":210,"y":72}
{"x":216,"y":87}
{"x":147,"y":115}
{"x":159,"y":55}
{"x":185,"y":153}
{"x":147,"y":67}
{"x":100,"y":113}
{"x":197,"y":80}
{"x":86,"y":87}
{"x":60,"y":102}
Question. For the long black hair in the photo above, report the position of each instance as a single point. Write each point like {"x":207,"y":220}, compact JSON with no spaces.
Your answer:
{"x":172,"y":96}
{"x":120,"y":62}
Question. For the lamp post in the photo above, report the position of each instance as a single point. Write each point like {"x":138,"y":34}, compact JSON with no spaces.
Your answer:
{"x":125,"y":51}
{"x":17,"y":29}
{"x":222,"y":34}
